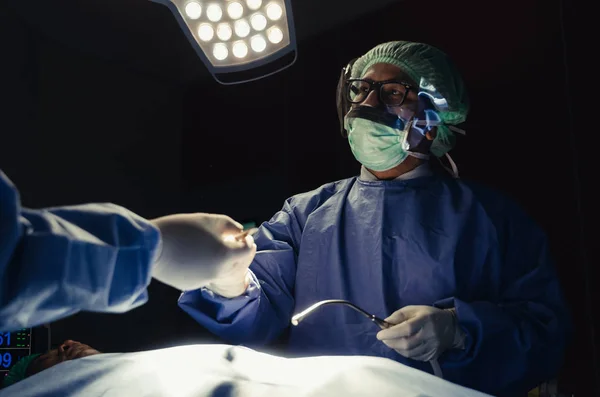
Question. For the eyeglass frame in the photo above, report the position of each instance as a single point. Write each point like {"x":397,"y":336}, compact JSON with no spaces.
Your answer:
{"x":376,"y":85}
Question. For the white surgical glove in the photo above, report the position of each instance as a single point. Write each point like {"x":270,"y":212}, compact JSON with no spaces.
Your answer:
{"x":422,"y":333}
{"x":195,"y":252}
{"x":234,"y":280}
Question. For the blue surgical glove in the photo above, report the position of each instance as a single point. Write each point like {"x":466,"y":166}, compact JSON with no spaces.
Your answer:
{"x":196,"y":251}
{"x":422,"y":333}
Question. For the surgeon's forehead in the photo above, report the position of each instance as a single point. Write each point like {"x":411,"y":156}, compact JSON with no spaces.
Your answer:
{"x":386,"y":71}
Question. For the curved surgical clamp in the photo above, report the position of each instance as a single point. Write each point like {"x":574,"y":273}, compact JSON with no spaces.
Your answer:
{"x":437,"y":370}
{"x":300,"y":316}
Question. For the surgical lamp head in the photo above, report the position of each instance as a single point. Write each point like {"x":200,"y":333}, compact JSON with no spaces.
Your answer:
{"x":238,"y":40}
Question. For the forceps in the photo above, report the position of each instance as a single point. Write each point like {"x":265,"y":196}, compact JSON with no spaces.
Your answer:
{"x":242,"y":235}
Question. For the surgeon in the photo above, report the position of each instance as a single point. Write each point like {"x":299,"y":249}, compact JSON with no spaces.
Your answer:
{"x":461,"y":273}
{"x":58,"y":261}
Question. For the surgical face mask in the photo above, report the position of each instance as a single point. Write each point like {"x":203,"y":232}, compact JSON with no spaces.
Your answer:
{"x":376,"y":146}
{"x":378,"y":139}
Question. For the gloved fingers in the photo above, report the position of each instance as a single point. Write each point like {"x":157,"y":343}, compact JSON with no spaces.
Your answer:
{"x":242,"y":237}
{"x":239,"y":256}
{"x":245,"y":249}
{"x":403,"y":314}
{"x":250,"y":241}
{"x":418,"y":351}
{"x":247,"y":232}
{"x":397,"y":317}
{"x":226,"y":225}
{"x":241,"y":244}
{"x":405,"y":343}
{"x":405,"y":329}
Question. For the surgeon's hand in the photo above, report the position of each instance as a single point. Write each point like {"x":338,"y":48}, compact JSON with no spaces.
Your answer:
{"x":196,"y":252}
{"x":422,"y":333}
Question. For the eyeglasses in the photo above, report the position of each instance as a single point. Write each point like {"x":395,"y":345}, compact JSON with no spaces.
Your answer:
{"x":390,"y":92}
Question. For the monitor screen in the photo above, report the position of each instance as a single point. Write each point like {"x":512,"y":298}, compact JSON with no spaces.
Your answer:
{"x":14,"y":346}
{"x":21,"y":343}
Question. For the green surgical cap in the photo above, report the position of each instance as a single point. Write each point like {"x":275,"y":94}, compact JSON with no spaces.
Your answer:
{"x":19,"y":371}
{"x":422,"y":61}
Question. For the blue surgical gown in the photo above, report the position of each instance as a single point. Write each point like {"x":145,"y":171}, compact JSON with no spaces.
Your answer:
{"x":384,"y":245}
{"x":58,"y":261}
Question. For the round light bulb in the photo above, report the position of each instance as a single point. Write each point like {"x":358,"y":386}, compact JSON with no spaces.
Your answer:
{"x":220,"y":51}
{"x":214,"y":13}
{"x":258,"y":21}
{"x":242,"y":29}
{"x":258,"y":43}
{"x":254,"y":4}
{"x":240,"y":49}
{"x":206,"y":32}
{"x":224,"y":31}
{"x":274,"y":11}
{"x":235,"y":10}
{"x":193,"y":10}
{"x":275,"y":35}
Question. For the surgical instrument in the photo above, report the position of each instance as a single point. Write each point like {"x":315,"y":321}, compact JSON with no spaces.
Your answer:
{"x":437,"y":370}
{"x":300,"y":316}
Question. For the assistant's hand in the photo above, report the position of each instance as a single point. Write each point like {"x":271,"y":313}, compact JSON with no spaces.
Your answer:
{"x":422,"y":333}
{"x":195,"y":251}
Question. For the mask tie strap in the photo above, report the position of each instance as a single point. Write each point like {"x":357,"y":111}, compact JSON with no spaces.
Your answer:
{"x":419,"y":155}
{"x":453,"y":170}
{"x":457,"y":130}
{"x":437,"y":370}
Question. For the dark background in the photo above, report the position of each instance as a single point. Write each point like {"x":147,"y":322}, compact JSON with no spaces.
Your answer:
{"x":106,"y":101}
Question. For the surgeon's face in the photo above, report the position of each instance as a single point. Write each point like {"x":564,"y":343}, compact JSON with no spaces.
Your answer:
{"x":386,"y":72}
{"x":69,"y":350}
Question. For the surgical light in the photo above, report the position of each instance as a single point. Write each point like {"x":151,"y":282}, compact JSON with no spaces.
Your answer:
{"x":275,"y":35}
{"x":254,"y":4}
{"x":220,"y":51}
{"x":206,"y":32}
{"x":274,"y":11}
{"x":238,"y":40}
{"x":193,"y":10}
{"x":214,"y":13}
{"x":235,"y":10}
{"x":258,"y":43}
{"x":240,"y":49}
{"x":242,"y":29}
{"x":258,"y":22}
{"x":224,"y":31}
